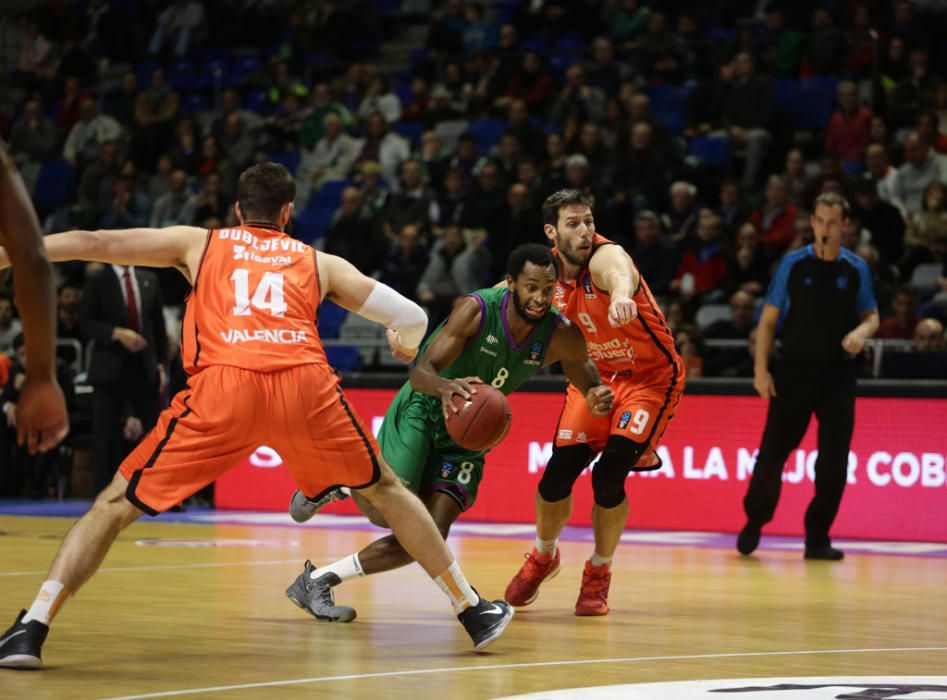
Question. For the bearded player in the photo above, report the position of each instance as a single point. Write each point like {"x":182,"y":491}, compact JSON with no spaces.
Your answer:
{"x":600,"y":290}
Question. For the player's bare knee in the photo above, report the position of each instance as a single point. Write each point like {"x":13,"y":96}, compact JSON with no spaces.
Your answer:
{"x":563,"y":469}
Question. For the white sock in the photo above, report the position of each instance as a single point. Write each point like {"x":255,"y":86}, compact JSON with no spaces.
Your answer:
{"x":598,"y":561}
{"x":547,"y":546}
{"x":347,"y":568}
{"x":51,"y":596}
{"x":346,"y":490}
{"x":454,"y":584}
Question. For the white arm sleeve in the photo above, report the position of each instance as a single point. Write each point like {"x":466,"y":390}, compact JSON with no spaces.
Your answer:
{"x":385,"y":306}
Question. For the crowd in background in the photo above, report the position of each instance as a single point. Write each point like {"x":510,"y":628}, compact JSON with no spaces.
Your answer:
{"x":703,"y":129}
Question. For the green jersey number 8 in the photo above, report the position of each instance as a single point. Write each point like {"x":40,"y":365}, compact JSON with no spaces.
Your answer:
{"x":501,"y":378}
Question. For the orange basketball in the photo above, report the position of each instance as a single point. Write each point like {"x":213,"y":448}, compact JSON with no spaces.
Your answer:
{"x":483,"y":420}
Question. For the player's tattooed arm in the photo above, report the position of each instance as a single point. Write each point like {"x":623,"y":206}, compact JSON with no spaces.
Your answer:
{"x":568,"y":347}
{"x":443,"y":350}
{"x":613,"y":271}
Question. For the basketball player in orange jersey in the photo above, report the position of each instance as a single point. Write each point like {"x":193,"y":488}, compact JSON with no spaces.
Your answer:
{"x":599,"y":289}
{"x":258,"y":375}
{"x":41,"y":418}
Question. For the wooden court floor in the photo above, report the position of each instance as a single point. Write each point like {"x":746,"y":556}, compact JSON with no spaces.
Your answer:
{"x":186,"y":620}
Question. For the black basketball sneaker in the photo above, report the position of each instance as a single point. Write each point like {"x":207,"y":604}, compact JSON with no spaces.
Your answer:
{"x":21,"y":644}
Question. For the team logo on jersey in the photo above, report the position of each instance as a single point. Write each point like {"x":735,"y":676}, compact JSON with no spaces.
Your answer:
{"x":240,"y":252}
{"x":446,"y":469}
{"x":587,"y":286}
{"x":492,"y":339}
{"x":842,"y":282}
{"x":535,"y":352}
{"x":565,"y":434}
{"x":624,"y":420}
{"x":581,"y":437}
{"x":491,"y":353}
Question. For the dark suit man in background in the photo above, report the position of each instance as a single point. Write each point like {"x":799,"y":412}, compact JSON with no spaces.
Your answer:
{"x":121,"y":311}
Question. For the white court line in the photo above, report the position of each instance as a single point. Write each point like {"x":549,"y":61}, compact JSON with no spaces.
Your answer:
{"x":497,"y":667}
{"x":209,"y":565}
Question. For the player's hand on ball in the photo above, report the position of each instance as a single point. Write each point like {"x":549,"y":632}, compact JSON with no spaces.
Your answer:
{"x":464,"y":387}
{"x":764,"y":384}
{"x":853,"y":342}
{"x":600,"y":399}
{"x":622,"y":310}
{"x":398,"y":350}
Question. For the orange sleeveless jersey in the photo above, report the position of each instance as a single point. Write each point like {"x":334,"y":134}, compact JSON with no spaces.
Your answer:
{"x":253,"y":304}
{"x":645,"y":346}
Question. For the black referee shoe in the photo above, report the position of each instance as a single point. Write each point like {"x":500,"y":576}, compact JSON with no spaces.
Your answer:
{"x":21,"y":644}
{"x":486,"y":621}
{"x":826,"y":552}
{"x":748,"y":539}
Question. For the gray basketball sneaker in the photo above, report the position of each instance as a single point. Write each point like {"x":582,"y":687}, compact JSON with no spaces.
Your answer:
{"x":302,"y":509}
{"x":315,"y":596}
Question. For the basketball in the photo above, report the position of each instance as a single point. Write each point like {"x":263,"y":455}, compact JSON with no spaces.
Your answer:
{"x":483,"y":420}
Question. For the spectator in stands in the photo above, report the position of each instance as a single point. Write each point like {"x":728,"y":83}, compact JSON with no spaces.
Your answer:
{"x":284,"y":127}
{"x":68,"y":112}
{"x":374,"y":189}
{"x":331,"y":159}
{"x":455,"y":268}
{"x":384,"y":147}
{"x":656,"y":43}
{"x":681,"y":219}
{"x":901,"y":323}
{"x":737,"y":327}
{"x":860,"y":40}
{"x":878,"y":133}
{"x":184,"y":152}
{"x":641,"y":174}
{"x":10,"y":326}
{"x":405,"y":262}
{"x":796,"y":176}
{"x":781,"y":48}
{"x":929,"y":336}
{"x":231,"y":104}
{"x":578,"y":101}
{"x":507,"y":154}
{"x":914,"y":93}
{"x":434,"y":157}
{"x":826,"y":45}
{"x":601,"y":159}
{"x":177,"y":28}
{"x":450,"y":202}
{"x":95,"y":193}
{"x":777,"y":217}
{"x":446,"y":32}
{"x":155,"y":111}
{"x":33,"y":138}
{"x":847,"y":133}
{"x":483,"y":207}
{"x":520,"y":222}
{"x":894,"y":65}
{"x":882,"y":219}
{"x":884,"y":278}
{"x":91,"y":131}
{"x":604,"y":71}
{"x":885,"y":177}
{"x":928,"y":129}
{"x":211,"y":204}
{"x":68,"y":297}
{"x":238,"y":143}
{"x":530,"y":83}
{"x":921,"y":167}
{"x":121,"y":311}
{"x":478,"y":33}
{"x":654,"y":254}
{"x":926,"y":238}
{"x":747,"y":113}
{"x":417,"y":105}
{"x":160,"y":183}
{"x":733,"y":209}
{"x":380,"y":98}
{"x":706,"y":104}
{"x":750,"y":264}
{"x":129,"y":207}
{"x":703,"y":268}
{"x":175,"y":207}
{"x":354,"y":233}
{"x":121,"y":106}
{"x":690,"y":345}
{"x":415,"y":202}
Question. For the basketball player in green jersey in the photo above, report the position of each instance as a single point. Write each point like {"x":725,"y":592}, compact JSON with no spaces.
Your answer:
{"x":500,"y":336}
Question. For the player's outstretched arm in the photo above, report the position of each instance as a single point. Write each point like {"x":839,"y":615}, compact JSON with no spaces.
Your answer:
{"x":443,"y":350}
{"x":342,"y":282}
{"x":613,"y":271}
{"x":568,"y":347}
{"x":176,"y":246}
{"x":42,"y":421}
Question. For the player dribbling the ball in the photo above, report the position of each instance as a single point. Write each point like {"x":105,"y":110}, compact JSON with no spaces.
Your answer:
{"x":499,"y":336}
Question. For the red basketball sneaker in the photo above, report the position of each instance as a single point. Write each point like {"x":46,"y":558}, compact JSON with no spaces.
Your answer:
{"x":593,"y":596}
{"x":524,"y":587}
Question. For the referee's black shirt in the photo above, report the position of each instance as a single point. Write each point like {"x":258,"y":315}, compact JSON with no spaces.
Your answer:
{"x":820,"y":302}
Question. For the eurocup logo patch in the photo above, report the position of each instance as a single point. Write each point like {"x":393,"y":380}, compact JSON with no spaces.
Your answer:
{"x":535,"y":351}
{"x":587,"y":285}
{"x":624,"y":420}
{"x":446,"y":469}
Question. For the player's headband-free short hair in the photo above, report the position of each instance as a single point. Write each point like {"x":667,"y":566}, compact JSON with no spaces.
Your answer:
{"x":535,"y":253}
{"x":263,"y":189}
{"x":564,"y":198}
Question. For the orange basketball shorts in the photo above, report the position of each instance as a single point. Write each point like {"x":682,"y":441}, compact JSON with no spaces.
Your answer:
{"x":641,"y":413}
{"x":225,"y":413}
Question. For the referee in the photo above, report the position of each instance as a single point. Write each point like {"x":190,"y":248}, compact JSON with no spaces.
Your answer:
{"x":824,"y":296}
